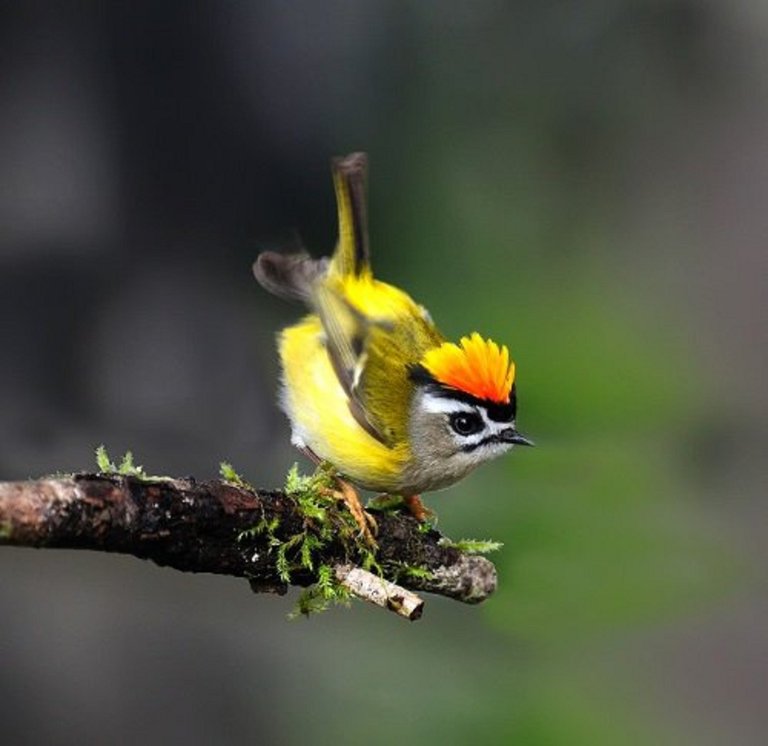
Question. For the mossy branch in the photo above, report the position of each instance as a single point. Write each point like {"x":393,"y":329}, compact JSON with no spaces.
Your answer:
{"x":227,"y":528}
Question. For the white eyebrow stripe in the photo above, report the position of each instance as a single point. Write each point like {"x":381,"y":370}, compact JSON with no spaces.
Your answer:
{"x":437,"y":404}
{"x":446,"y":405}
{"x":496,"y":427}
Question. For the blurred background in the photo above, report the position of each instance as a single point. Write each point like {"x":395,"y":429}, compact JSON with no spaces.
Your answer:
{"x":584,"y":181}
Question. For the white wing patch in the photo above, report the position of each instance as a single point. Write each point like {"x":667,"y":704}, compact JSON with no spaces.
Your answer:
{"x":358,"y":370}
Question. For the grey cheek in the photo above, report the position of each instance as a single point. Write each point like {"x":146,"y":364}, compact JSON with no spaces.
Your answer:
{"x":456,"y":441}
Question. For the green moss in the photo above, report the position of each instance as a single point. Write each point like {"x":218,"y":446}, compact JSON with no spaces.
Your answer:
{"x":126,"y":467}
{"x":325,"y":521}
{"x":283,"y":563}
{"x":387,"y":503}
{"x":369,"y":562}
{"x":417,"y":573}
{"x":228,"y":474}
{"x":314,"y":495}
{"x":264,"y":526}
{"x":327,"y":591}
{"x":103,"y":462}
{"x":472,"y":546}
{"x":310,"y":544}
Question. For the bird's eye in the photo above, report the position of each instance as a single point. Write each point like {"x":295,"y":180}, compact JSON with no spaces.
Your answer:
{"x":466,"y":423}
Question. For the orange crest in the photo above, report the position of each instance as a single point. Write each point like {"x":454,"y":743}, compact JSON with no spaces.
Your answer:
{"x":476,"y":366}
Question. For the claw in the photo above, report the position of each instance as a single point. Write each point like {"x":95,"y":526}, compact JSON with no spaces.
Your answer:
{"x":417,"y":509}
{"x":365,"y":521}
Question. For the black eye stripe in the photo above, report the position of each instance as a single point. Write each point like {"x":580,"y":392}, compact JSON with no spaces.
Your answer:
{"x":474,"y":446}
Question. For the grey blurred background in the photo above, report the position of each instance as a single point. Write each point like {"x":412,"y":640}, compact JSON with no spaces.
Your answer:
{"x":585,"y":181}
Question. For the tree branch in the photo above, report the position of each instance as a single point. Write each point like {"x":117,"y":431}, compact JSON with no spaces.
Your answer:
{"x":198,"y":527}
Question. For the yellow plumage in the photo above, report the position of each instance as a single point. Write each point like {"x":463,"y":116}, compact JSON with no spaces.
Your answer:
{"x":319,"y":410}
{"x":369,"y":383}
{"x":396,"y":331}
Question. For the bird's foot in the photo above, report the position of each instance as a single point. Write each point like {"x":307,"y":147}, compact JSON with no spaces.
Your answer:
{"x":365,"y":521}
{"x":387,"y":503}
{"x":418,"y":510}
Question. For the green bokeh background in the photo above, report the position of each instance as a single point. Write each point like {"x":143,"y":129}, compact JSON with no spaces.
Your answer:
{"x":584,"y":182}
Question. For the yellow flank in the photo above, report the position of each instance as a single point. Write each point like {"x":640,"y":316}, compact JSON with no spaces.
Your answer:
{"x":318,"y":406}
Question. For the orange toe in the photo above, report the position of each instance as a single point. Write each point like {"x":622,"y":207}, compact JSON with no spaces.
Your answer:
{"x":365,"y":521}
{"x":417,"y":508}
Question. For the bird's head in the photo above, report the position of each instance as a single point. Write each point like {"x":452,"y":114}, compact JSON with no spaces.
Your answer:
{"x":464,"y":406}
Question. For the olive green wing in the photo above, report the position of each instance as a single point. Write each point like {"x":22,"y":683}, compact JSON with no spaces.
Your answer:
{"x":384,"y":387}
{"x":371,"y":358}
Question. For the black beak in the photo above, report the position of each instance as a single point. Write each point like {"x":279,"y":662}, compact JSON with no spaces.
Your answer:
{"x":510,"y":435}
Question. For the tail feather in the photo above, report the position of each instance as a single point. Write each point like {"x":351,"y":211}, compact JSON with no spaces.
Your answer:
{"x":352,"y":255}
{"x":293,"y":276}
{"x":289,"y":276}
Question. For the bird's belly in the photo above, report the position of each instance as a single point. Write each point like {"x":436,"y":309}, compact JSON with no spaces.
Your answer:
{"x":318,"y":409}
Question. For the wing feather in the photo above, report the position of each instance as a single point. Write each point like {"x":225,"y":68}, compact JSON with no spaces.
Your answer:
{"x":371,"y":355}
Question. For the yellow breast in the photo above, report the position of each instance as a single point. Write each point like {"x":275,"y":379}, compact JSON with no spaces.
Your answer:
{"x":317,"y":407}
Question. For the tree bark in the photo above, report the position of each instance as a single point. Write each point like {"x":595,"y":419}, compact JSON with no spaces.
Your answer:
{"x":198,"y":527}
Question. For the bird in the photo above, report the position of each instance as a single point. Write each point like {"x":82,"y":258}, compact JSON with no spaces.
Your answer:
{"x":369,"y":384}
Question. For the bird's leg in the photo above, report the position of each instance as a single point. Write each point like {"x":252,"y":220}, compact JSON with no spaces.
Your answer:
{"x":311,"y":455}
{"x":365,"y":521}
{"x":346,"y":492}
{"x":417,"y":508}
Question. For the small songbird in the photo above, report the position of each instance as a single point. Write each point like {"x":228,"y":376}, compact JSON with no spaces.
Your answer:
{"x":368,"y":382}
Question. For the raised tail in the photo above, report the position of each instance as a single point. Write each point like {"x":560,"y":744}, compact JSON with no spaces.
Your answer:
{"x":292,"y":276}
{"x":350,"y":175}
